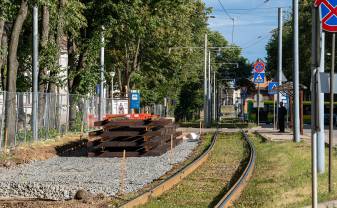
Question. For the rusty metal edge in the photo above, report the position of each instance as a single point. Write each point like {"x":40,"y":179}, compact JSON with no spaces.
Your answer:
{"x":172,"y":180}
{"x":235,"y":192}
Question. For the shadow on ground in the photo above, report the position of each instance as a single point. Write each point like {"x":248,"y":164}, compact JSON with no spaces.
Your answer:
{"x":73,"y":149}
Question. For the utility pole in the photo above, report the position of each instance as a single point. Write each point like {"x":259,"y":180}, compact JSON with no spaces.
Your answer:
{"x":205,"y":84}
{"x":296,"y":126}
{"x":209,"y":100}
{"x":214,"y":96}
{"x":101,"y":93}
{"x":320,"y":102}
{"x":35,"y":73}
{"x":280,"y":56}
{"x":332,"y":76}
{"x":233,"y":30}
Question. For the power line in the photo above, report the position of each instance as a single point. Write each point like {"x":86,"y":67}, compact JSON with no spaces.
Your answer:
{"x":257,"y":8}
{"x":256,"y":42}
{"x":223,"y":8}
{"x":226,"y":12}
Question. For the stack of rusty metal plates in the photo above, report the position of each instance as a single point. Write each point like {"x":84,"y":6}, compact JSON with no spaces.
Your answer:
{"x":136,"y":137}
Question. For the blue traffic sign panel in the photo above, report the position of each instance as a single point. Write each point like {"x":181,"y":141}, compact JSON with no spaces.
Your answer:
{"x":134,"y":100}
{"x":259,"y":78}
{"x":271,"y":88}
{"x":328,"y":14}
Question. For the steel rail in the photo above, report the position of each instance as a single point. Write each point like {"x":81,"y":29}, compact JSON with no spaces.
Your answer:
{"x":172,"y":180}
{"x":235,"y":191}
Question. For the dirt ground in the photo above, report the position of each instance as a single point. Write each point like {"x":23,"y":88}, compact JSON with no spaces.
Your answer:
{"x":90,"y":203}
{"x":42,"y":150}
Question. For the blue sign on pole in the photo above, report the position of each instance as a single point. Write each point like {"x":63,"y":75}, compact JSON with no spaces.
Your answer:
{"x":258,"y":78}
{"x":271,"y":88}
{"x":135,"y":100}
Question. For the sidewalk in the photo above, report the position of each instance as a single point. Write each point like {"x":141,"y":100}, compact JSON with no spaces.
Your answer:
{"x":274,"y":135}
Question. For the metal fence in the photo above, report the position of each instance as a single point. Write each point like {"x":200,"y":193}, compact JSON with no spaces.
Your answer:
{"x":58,"y":114}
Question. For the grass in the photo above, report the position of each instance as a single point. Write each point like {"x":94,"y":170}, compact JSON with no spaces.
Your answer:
{"x":206,"y":185}
{"x":282,"y":177}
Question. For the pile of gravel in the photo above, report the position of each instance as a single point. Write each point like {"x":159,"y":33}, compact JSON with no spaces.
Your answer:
{"x":60,"y":178}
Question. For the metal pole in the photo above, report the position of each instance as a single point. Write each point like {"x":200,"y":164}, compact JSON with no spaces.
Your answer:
{"x":315,"y":65}
{"x":332,"y":76}
{"x":205,"y":85}
{"x":233,"y":31}
{"x":280,"y":56}
{"x":296,"y":126}
{"x":258,"y":104}
{"x":275,"y":127}
{"x":35,"y":72}
{"x":214,"y":97}
{"x":320,"y":102}
{"x":101,"y":93}
{"x":209,"y":100}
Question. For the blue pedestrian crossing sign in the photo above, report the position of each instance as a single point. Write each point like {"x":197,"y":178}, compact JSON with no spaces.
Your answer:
{"x":135,"y":100}
{"x":271,"y":88}
{"x":258,"y":78}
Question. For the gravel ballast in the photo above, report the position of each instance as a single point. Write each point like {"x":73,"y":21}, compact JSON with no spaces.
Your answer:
{"x":60,"y":178}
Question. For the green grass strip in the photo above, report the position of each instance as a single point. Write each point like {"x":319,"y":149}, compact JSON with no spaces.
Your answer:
{"x":205,"y":187}
{"x":282,"y":176}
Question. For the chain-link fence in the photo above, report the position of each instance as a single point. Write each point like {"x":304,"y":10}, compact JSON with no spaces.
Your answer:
{"x":58,"y":114}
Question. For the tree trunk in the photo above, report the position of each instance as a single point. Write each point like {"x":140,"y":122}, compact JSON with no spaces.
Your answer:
{"x":43,"y":71}
{"x":3,"y":58}
{"x":3,"y":54}
{"x":2,"y":29}
{"x":12,"y":72}
{"x":59,"y":38}
{"x":74,"y":90}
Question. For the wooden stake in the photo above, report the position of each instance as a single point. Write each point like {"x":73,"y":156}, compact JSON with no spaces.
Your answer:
{"x":171,"y":151}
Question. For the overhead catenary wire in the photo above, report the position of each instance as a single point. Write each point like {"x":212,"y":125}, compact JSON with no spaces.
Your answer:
{"x":229,"y":16}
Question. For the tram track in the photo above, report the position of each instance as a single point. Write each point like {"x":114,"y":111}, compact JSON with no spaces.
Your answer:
{"x":228,"y":198}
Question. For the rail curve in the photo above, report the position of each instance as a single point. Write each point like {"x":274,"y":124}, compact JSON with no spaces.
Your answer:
{"x":173,"y":180}
{"x":234,"y":193}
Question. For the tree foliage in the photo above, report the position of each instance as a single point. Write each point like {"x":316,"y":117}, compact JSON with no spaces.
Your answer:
{"x":138,"y":37}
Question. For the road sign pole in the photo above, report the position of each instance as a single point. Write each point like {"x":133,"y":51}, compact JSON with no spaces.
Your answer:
{"x":332,"y":73}
{"x":279,"y":66}
{"x":258,"y":104}
{"x":296,"y":127}
{"x":274,"y":112}
{"x":320,"y":133}
{"x":315,"y":65}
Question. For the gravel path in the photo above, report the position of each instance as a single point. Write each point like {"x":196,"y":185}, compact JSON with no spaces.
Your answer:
{"x":60,"y":177}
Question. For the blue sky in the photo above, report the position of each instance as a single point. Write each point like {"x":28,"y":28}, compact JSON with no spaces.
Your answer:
{"x":254,"y":21}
